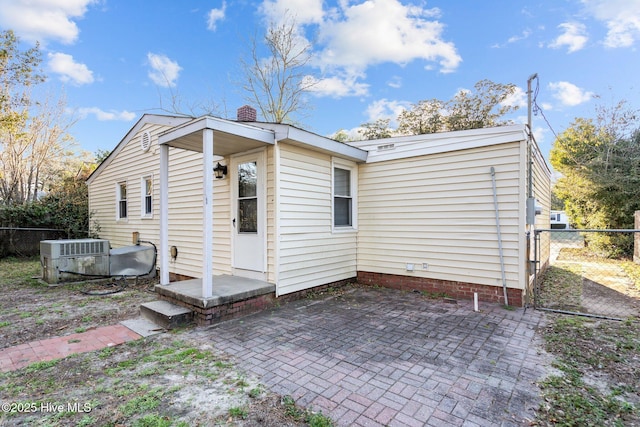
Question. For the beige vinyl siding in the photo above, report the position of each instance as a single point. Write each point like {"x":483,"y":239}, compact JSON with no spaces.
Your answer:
{"x":542,"y":193}
{"x":185,"y":215}
{"x":271,"y":215}
{"x":310,"y":253}
{"x":438,"y":209}
{"x":131,"y":164}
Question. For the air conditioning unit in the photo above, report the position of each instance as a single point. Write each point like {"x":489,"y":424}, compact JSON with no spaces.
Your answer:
{"x":81,"y":256}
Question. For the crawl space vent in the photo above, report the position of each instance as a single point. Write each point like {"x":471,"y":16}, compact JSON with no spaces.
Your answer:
{"x":146,"y":142}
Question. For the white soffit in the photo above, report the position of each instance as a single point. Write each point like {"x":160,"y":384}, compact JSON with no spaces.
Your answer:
{"x":229,"y":137}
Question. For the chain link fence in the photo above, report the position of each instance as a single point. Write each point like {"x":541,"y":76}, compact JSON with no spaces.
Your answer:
{"x":24,"y":242}
{"x":587,"y":272}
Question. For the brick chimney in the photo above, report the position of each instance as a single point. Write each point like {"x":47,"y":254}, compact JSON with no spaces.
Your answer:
{"x":246,"y":113}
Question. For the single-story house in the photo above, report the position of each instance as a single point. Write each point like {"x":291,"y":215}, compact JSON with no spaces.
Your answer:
{"x":559,"y":220}
{"x":277,"y":204}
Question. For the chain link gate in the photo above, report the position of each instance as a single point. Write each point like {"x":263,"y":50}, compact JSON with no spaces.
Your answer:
{"x":571,"y":276}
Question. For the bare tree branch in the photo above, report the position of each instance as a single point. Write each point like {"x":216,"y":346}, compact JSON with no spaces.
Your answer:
{"x":276,"y":85}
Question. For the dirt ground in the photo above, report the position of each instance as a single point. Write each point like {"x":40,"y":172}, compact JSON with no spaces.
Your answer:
{"x":176,"y":379}
{"x":46,"y":311}
{"x":140,"y":383}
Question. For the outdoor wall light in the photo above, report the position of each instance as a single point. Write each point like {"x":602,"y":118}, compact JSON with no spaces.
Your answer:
{"x":220,"y":171}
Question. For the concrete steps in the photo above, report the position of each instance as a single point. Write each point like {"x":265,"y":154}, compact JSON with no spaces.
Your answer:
{"x":166,"y":314}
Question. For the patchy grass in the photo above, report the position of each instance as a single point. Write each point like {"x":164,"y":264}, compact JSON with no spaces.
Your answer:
{"x":174,"y":379}
{"x":598,"y":368}
{"x":561,"y":288}
{"x":32,"y":310}
{"x":434,"y":295}
{"x":238,"y":412}
{"x":314,"y":419}
{"x":157,"y":386}
{"x":18,"y":271}
{"x":633,"y":271}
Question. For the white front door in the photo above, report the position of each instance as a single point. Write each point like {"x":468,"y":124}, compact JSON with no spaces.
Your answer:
{"x":248,"y":213}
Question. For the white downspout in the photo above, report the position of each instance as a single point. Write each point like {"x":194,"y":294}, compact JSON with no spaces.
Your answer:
{"x":495,"y":204}
{"x":276,"y":212}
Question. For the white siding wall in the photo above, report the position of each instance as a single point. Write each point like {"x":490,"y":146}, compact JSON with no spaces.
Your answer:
{"x":542,"y":193}
{"x":185,"y":208}
{"x":438,"y":209}
{"x":271,"y":215}
{"x":310,"y":253}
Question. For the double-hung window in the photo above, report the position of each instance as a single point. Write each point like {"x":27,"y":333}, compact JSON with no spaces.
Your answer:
{"x":344,"y":188}
{"x":121,"y":208}
{"x":147,"y":197}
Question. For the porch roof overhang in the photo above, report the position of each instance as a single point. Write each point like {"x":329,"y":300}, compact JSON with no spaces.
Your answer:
{"x":230,"y":137}
{"x":308,"y":140}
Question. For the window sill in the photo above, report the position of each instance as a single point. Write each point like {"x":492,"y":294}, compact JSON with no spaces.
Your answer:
{"x":342,"y":230}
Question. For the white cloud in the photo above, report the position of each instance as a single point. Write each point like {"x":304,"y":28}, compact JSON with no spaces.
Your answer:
{"x":337,"y":87}
{"x":622,"y":18}
{"x":353,"y":134}
{"x":69,"y":70}
{"x":524,"y":35}
{"x":385,"y":109}
{"x":395,"y":82}
{"x":352,"y":37}
{"x":216,"y":15}
{"x":377,"y":31}
{"x":569,"y":94}
{"x":104,"y":116}
{"x":303,"y":12}
{"x":573,"y":37}
{"x":43,"y":19}
{"x":517,"y":99}
{"x":513,"y":39}
{"x":164,"y":72}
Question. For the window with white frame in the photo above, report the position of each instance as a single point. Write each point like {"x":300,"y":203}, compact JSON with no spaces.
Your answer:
{"x":344,"y":188}
{"x":121,"y":196}
{"x":147,"y":197}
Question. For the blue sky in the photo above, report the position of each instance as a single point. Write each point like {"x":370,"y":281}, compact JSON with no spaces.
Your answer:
{"x":118,"y":59}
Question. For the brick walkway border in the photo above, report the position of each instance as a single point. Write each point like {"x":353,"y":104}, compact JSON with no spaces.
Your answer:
{"x":22,"y":355}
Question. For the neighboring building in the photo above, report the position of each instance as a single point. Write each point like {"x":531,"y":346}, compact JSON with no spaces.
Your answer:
{"x":559,"y":220}
{"x":299,"y":210}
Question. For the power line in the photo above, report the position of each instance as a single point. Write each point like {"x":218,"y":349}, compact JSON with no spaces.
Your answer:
{"x":537,"y":109}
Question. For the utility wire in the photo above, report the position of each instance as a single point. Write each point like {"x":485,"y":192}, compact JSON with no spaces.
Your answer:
{"x":538,"y":110}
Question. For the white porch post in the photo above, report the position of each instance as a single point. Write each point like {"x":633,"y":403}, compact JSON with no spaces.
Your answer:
{"x":207,"y":206}
{"x":164,"y":214}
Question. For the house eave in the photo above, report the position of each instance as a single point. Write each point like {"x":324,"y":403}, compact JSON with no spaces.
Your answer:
{"x":295,"y":136}
{"x":145,"y":119}
{"x":419,"y":145}
{"x":229,"y":137}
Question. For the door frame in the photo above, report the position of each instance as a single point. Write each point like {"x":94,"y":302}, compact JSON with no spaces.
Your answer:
{"x":260,"y":156}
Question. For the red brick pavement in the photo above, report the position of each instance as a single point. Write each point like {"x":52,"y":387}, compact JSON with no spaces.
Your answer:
{"x":19,"y":356}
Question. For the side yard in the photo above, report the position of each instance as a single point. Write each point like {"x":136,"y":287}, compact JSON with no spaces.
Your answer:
{"x":181,"y":378}
{"x":598,"y":360}
{"x":165,"y":380}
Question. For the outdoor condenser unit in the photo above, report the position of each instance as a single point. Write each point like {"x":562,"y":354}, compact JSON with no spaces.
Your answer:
{"x":84,"y":256}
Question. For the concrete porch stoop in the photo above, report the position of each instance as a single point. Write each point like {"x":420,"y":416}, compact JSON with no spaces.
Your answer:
{"x":232,"y":297}
{"x":166,"y":314}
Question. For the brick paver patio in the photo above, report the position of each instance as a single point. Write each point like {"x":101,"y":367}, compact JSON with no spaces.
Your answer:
{"x":375,"y":357}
